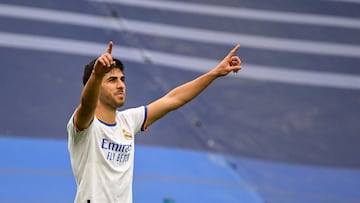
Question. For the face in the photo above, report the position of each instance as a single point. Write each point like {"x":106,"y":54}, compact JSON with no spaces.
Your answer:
{"x":113,"y":89}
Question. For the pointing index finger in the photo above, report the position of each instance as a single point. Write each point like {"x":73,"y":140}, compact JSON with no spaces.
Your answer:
{"x":109,"y":49}
{"x":234,"y":50}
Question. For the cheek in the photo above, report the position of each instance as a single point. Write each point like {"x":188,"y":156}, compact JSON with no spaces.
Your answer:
{"x":104,"y":93}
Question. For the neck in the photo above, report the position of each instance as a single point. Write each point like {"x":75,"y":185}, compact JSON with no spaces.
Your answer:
{"x":105,"y":114}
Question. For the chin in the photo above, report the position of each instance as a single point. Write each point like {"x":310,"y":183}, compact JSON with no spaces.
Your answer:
{"x":120,"y":104}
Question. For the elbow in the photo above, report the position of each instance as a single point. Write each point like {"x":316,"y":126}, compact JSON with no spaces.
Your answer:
{"x":177,"y":103}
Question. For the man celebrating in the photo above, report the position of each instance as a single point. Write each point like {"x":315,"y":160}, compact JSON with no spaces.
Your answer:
{"x":101,"y":139}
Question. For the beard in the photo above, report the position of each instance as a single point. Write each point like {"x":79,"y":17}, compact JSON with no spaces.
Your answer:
{"x":113,"y":101}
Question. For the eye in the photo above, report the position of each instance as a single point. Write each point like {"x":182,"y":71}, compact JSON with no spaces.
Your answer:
{"x":112,"y":79}
{"x":122,"y":78}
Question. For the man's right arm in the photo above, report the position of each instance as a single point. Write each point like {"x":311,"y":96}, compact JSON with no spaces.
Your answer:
{"x":85,"y":112}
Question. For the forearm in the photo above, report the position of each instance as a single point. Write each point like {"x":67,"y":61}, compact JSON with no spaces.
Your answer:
{"x":188,"y":91}
{"x":91,"y":91}
{"x":178,"y":97}
{"x":88,"y":102}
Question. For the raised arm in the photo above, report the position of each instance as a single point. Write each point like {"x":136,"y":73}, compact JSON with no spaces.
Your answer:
{"x":188,"y":91}
{"x":90,"y":94}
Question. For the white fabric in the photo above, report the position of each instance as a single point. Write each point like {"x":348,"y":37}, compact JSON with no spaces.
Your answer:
{"x":102,"y":157}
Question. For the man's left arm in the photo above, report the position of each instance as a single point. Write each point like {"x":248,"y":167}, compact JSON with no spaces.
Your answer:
{"x":183,"y":94}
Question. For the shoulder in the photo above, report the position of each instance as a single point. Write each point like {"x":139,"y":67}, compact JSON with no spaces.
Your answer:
{"x":73,"y":132}
{"x":136,"y":111}
{"x":135,"y":117}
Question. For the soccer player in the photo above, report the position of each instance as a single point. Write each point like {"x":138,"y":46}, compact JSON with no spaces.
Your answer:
{"x":101,"y":138}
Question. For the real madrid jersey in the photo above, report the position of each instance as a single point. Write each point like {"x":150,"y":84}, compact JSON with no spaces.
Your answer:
{"x":102,"y":157}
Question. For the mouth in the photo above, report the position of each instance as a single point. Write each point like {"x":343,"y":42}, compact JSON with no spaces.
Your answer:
{"x":119,"y":94}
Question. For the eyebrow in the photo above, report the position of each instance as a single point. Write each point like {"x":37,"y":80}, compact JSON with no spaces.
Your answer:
{"x":122,"y":78}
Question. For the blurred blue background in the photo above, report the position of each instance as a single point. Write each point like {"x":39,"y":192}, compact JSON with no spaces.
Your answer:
{"x":284,"y":129}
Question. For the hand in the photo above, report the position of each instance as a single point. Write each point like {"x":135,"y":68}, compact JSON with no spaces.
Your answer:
{"x":104,"y":62}
{"x":231,"y":63}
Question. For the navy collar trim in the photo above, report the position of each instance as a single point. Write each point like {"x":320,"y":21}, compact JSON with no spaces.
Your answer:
{"x":107,"y":124}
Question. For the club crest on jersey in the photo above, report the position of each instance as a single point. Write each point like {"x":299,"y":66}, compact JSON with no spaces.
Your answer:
{"x":127,"y":134}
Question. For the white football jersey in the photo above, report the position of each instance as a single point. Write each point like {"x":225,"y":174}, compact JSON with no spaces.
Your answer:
{"x":102,"y":157}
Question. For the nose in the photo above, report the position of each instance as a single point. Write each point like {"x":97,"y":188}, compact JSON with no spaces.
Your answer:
{"x":120,"y":84}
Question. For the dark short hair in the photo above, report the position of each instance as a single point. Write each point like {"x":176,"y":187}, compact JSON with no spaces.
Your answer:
{"x":90,"y":66}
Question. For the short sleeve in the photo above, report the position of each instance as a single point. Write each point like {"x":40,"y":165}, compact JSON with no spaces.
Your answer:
{"x":74,"y":136}
{"x":136,"y":117}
